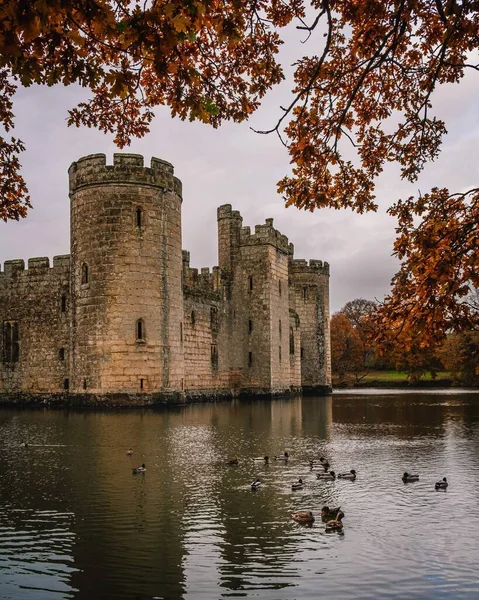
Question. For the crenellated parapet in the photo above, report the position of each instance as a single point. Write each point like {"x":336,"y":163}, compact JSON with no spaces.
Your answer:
{"x":315,"y":267}
{"x":265,"y":235}
{"x":127,"y":169}
{"x":36,"y":266}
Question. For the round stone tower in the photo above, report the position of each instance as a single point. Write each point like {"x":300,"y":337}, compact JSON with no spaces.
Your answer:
{"x":126,"y":260}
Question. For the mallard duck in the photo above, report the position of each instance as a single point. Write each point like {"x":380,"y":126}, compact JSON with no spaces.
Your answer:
{"x":408,"y":477}
{"x":351,"y":475}
{"x":233,"y":461}
{"x":326,"y":476}
{"x":303,"y":516}
{"x":328,"y":514}
{"x":335,"y":524}
{"x":441,"y":485}
{"x":129,"y":452}
{"x":284,"y":457}
{"x":255,"y":485}
{"x":297,"y":485}
{"x":141,"y":469}
{"x":325,"y":463}
{"x":264,"y":459}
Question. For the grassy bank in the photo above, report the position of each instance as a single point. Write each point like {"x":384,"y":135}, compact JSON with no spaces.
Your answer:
{"x":394,"y":379}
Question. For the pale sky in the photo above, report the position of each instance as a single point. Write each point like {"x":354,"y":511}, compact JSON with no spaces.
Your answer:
{"x":233,"y":165}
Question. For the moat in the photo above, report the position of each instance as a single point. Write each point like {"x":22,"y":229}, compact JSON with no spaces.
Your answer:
{"x":76,"y":524}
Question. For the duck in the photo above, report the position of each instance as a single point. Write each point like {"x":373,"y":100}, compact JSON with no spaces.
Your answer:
{"x":408,"y":477}
{"x":285,"y":457}
{"x":325,"y":463}
{"x":255,"y":485}
{"x":326,"y":476}
{"x":264,"y":459}
{"x":335,"y":524}
{"x":233,"y":461}
{"x":303,"y":516}
{"x":129,"y":452}
{"x":24,"y":445}
{"x":140,"y":469}
{"x":351,"y":475}
{"x":328,"y":514}
{"x":441,"y":485}
{"x":297,"y":485}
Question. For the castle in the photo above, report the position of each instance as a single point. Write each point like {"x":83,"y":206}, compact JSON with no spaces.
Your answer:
{"x":124,"y":319}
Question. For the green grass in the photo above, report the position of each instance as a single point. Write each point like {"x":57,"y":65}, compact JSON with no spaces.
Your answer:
{"x":392,"y":377}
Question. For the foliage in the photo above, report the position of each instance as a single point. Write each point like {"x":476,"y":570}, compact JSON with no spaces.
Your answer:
{"x":363,"y":100}
{"x":346,"y":347}
{"x":359,"y":312}
{"x":460,"y":355}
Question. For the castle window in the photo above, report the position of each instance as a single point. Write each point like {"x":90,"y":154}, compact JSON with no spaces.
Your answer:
{"x":139,"y":217}
{"x":280,"y":329}
{"x":193,"y":317}
{"x":296,"y":321}
{"x":302,"y":352}
{"x":84,"y":273}
{"x":250,"y":359}
{"x":214,"y":356}
{"x":291,"y":341}
{"x":66,"y":384}
{"x":84,"y":384}
{"x":181,"y":332}
{"x":11,"y":349}
{"x":250,"y":325}
{"x":250,"y":283}
{"x":280,"y":354}
{"x":214,"y":318}
{"x":305,"y":293}
{"x":279,"y":288}
{"x":64,"y":303}
{"x":140,"y":331}
{"x":141,"y":384}
{"x":61,"y":354}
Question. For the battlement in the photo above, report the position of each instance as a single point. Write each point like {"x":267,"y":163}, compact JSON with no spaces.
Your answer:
{"x":206,"y":280}
{"x":265,"y":235}
{"x":225,"y":211}
{"x":37,"y":264}
{"x":127,"y":169}
{"x":315,"y":267}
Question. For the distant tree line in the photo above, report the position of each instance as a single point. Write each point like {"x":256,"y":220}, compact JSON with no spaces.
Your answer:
{"x":358,"y":346}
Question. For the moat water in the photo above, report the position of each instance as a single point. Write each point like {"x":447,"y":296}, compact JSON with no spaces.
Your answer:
{"x":76,"y":523}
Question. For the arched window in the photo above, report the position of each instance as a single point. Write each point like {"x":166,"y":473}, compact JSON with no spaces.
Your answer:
{"x":139,"y":217}
{"x":84,"y":273}
{"x":11,"y":348}
{"x":64,"y":303}
{"x":305,"y":293}
{"x":291,"y":341}
{"x":140,"y":331}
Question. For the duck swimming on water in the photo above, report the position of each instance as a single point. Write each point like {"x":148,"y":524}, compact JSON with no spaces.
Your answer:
{"x":140,"y":469}
{"x":264,"y":459}
{"x":441,"y":485}
{"x":328,"y":514}
{"x":335,"y":524}
{"x":408,"y":477}
{"x":297,"y":485}
{"x":351,"y":475}
{"x":129,"y":452}
{"x":303,"y":516}
{"x":285,"y":457}
{"x":326,"y":476}
{"x":255,"y":485}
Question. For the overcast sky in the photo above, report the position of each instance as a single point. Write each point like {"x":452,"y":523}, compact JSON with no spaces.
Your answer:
{"x":233,"y":165}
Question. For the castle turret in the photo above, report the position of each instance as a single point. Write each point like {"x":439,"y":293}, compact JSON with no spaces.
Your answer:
{"x":311,"y":283}
{"x":126,"y":263}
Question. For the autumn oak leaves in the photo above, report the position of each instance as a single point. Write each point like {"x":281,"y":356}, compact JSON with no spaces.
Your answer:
{"x":364,"y":98}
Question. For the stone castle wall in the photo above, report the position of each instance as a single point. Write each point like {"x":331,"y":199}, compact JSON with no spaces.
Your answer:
{"x":125,"y":320}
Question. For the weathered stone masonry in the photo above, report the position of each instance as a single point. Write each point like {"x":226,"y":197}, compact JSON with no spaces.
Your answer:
{"x":125,"y":320}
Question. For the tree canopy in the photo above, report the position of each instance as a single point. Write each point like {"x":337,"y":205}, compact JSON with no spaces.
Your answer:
{"x":363,"y":100}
